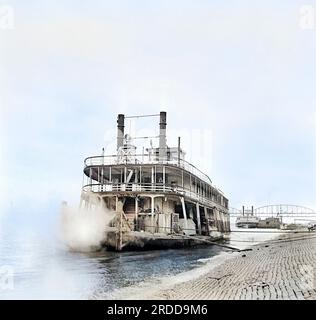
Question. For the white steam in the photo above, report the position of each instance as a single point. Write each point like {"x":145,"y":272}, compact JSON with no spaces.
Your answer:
{"x":83,"y":229}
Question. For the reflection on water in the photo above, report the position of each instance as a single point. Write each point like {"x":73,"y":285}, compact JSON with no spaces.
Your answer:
{"x":44,"y":269}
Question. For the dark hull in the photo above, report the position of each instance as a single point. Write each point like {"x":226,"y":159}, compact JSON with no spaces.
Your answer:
{"x":135,"y":241}
{"x":247,"y":225}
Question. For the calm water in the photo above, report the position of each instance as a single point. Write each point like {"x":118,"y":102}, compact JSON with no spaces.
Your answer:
{"x":42,"y":268}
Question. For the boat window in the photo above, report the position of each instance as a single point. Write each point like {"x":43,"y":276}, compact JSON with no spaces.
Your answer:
{"x":159,"y":174}
{"x":146,"y":175}
{"x":104,"y":175}
{"x":179,"y":210}
{"x":186,"y":181}
{"x":117,"y":175}
{"x":174,"y":176}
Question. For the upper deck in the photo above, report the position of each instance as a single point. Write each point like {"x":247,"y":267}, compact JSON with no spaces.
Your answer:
{"x":147,"y":174}
{"x":143,"y":160}
{"x":160,"y":170}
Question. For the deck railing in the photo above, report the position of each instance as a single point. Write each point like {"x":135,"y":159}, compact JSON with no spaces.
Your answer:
{"x":149,"y":188}
{"x":140,"y":159}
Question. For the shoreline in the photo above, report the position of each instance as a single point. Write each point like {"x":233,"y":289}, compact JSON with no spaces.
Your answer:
{"x":275,"y":269}
{"x":151,"y":289}
{"x":282,"y":269}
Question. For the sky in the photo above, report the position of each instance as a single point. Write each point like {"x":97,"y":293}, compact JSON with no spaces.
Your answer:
{"x":237,"y":79}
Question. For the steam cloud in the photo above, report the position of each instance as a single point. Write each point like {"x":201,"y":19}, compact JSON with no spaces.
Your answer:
{"x":85,"y":230}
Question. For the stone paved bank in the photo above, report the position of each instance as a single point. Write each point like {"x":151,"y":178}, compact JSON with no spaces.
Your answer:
{"x":275,"y":270}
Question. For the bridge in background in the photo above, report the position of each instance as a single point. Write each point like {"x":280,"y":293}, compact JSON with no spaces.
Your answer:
{"x":279,"y":210}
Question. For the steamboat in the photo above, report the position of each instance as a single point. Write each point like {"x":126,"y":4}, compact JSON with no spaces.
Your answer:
{"x":156,"y":198}
{"x":247,"y":219}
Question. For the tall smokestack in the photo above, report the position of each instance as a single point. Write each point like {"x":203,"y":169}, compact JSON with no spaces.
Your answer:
{"x":162,"y":136}
{"x":120,"y":130}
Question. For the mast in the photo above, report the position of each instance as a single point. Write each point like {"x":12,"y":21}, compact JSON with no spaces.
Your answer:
{"x":162,"y":136}
{"x":120,"y":131}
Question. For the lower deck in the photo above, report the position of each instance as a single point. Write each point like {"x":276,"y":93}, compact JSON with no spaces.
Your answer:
{"x":161,"y":213}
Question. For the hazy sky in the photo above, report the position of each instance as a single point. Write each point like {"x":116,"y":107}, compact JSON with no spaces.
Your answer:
{"x":237,"y":79}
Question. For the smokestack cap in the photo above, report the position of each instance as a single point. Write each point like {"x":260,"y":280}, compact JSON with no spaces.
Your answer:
{"x":163,"y":117}
{"x":120,"y":119}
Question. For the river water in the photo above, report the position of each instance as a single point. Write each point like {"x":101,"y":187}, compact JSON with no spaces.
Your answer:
{"x":37,"y":265}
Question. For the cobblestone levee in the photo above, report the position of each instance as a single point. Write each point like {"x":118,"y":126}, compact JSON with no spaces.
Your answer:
{"x":274,"y":270}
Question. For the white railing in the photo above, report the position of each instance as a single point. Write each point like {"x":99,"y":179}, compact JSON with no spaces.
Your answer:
{"x":149,"y":188}
{"x":146,"y":159}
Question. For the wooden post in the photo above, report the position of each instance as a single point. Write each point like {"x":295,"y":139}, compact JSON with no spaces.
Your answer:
{"x":184,"y":214}
{"x":119,"y":241}
{"x":121,"y":226}
{"x":136,"y":207}
{"x":182,"y":178}
{"x":136,"y":213}
{"x":207,"y":219}
{"x":99,"y":182}
{"x":152,"y":213}
{"x":140,"y":175}
{"x":198,"y":217}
